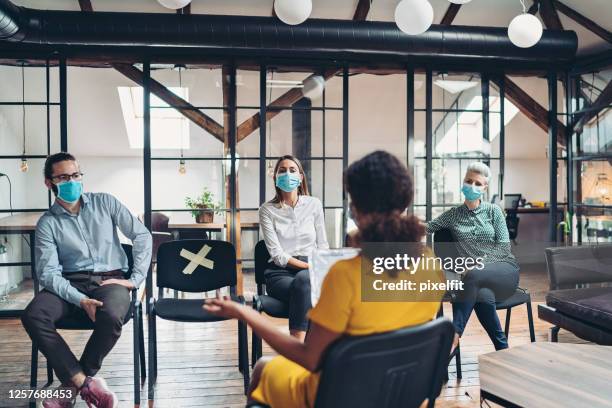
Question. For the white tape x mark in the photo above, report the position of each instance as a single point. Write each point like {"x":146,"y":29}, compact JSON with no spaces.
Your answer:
{"x":196,"y":259}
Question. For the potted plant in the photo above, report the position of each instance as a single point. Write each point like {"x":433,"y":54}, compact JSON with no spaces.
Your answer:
{"x":203,"y":206}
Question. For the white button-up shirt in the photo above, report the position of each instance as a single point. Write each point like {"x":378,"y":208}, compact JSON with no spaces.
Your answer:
{"x":292,"y":231}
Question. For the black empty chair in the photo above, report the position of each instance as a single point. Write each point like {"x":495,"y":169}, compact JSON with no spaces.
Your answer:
{"x":179,"y":268}
{"x":263,"y":302}
{"x":395,"y":369}
{"x":84,"y":323}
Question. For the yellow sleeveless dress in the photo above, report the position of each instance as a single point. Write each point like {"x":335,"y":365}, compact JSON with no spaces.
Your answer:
{"x":285,"y":384}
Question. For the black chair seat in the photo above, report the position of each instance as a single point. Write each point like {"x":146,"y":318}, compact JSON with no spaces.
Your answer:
{"x":520,"y":297}
{"x":593,"y":305}
{"x":186,"y":310}
{"x":272,"y":306}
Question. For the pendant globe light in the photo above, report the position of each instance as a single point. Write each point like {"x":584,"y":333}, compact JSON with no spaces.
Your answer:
{"x":525,"y":30}
{"x":414,"y":16}
{"x":293,"y":12}
{"x":174,"y":4}
{"x":313,"y":87}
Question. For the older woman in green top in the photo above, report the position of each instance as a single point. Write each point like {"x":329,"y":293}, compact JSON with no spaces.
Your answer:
{"x":480,"y":231}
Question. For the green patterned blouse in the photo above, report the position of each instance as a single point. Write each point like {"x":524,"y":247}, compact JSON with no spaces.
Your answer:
{"x":481,"y":232}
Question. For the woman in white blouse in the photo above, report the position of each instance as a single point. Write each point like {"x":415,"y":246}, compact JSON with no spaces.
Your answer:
{"x":292,"y":225}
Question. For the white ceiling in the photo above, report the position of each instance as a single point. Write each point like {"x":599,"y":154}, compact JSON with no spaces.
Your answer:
{"x":497,"y":13}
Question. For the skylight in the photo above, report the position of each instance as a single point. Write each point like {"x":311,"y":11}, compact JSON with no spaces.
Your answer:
{"x":464,"y":132}
{"x":169,"y":128}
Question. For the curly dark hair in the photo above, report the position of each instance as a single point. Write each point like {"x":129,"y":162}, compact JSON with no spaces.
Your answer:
{"x":381,"y":187}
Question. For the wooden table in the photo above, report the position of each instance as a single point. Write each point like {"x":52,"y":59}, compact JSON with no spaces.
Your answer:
{"x":20,"y":224}
{"x":545,"y":375}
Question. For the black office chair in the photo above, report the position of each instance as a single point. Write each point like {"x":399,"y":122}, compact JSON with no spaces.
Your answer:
{"x":172,"y":262}
{"x":395,"y":369}
{"x":263,"y":302}
{"x":83,"y":323}
{"x":521,"y":296}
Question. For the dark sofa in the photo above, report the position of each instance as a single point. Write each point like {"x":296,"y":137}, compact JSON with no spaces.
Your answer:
{"x":580,"y":299}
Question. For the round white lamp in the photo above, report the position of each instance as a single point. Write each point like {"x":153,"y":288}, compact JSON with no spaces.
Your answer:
{"x":459,"y":1}
{"x":313,"y":87}
{"x":293,"y":12}
{"x":525,"y":30}
{"x":174,"y":4}
{"x":414,"y":16}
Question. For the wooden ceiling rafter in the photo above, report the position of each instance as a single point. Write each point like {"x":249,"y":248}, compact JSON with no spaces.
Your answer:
{"x":549,"y":15}
{"x":181,"y":105}
{"x":451,"y":13}
{"x":583,"y":20}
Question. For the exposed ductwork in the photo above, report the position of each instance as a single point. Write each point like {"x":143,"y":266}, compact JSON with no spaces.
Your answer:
{"x":268,"y":37}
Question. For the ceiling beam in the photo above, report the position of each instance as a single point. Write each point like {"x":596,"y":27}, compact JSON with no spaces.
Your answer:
{"x":451,"y":13}
{"x":185,"y":108}
{"x":362,"y":10}
{"x":530,"y":107}
{"x":583,"y":21}
{"x":178,"y":103}
{"x":603,"y":101}
{"x":549,"y":15}
{"x":85,"y":5}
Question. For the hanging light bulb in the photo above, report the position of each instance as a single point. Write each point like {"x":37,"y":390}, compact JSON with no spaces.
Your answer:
{"x":23,"y":166}
{"x":293,"y":12}
{"x":174,"y":4}
{"x":525,"y":30}
{"x":182,"y":167}
{"x":414,"y":16}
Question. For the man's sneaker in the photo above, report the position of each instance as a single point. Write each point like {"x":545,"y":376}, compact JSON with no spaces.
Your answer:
{"x":63,"y":396}
{"x":96,"y":393}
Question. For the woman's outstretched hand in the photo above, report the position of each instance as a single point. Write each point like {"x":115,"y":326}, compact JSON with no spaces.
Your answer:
{"x":223,"y":307}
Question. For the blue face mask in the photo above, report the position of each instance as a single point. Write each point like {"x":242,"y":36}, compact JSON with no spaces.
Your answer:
{"x":70,"y":191}
{"x":288,"y":181}
{"x":471,"y":192}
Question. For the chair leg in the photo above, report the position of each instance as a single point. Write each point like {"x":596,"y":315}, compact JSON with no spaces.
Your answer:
{"x":256,"y":348}
{"x":240,"y":349}
{"x":136,"y":345}
{"x":507,"y":325}
{"x":554,"y":334}
{"x":244,"y":356}
{"x":530,"y":319}
{"x":34,"y":366}
{"x":49,"y":375}
{"x":152,"y":356}
{"x":458,"y":363}
{"x":141,"y":346}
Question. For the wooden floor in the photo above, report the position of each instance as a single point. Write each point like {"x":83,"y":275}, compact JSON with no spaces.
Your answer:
{"x":198,"y":362}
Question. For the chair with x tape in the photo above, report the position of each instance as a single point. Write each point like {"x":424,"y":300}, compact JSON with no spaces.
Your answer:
{"x":196,"y":266}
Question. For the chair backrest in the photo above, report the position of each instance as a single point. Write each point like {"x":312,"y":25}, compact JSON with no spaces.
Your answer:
{"x":445,"y":244}
{"x":570,"y":266}
{"x":180,"y":267}
{"x":262,"y":257}
{"x":395,"y":369}
{"x":127,"y":248}
{"x":159,"y":222}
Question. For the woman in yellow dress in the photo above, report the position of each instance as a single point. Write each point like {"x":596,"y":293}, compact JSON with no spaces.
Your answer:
{"x":380,"y":189}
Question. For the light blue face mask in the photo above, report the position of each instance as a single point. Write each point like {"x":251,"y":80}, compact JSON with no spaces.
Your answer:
{"x":471,"y":192}
{"x":70,"y":191}
{"x":288,"y":181}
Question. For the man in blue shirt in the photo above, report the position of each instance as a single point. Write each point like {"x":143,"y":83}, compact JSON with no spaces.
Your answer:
{"x":80,"y":265}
